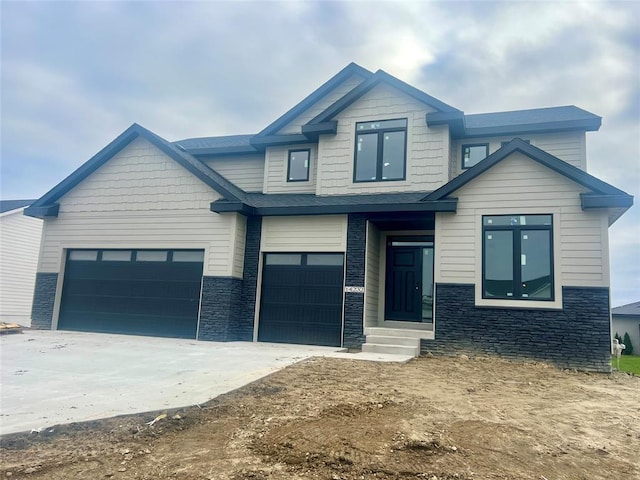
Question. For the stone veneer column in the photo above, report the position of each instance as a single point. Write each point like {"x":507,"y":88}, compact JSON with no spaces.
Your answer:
{"x":44,"y":297}
{"x":219,"y":309}
{"x":250,"y":279}
{"x":228,"y":304}
{"x":354,"y":302}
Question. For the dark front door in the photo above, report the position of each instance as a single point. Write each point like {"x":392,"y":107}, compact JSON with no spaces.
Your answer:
{"x":301,"y":298}
{"x":409,"y":280}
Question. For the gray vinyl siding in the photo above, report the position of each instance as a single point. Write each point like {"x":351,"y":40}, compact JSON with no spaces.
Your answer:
{"x":427,"y":148}
{"x":246,"y":171}
{"x":276,"y":169}
{"x":20,"y":242}
{"x":141,"y":198}
{"x":341,"y":90}
{"x":324,"y":233}
{"x":567,"y":146}
{"x":519,"y":185}
{"x":372,"y":277}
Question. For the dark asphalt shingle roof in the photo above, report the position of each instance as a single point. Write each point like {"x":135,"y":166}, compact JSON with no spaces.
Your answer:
{"x":629,"y":309}
{"x":8,"y":205}
{"x":527,"y":117}
{"x":215,"y":142}
{"x":261,"y":200}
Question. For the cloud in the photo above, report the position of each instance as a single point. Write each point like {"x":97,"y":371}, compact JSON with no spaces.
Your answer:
{"x":75,"y":74}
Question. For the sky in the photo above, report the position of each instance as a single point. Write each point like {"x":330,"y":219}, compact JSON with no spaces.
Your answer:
{"x":74,"y":75}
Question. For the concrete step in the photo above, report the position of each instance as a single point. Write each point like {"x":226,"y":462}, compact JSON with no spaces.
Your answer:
{"x":393,"y":349}
{"x":397,"y":332}
{"x":392,"y":340}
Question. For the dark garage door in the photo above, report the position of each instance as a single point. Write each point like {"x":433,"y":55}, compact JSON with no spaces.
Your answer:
{"x":140,"y":292}
{"x":301,"y":299}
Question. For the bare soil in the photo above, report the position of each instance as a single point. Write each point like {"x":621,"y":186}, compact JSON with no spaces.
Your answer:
{"x":432,"y":418}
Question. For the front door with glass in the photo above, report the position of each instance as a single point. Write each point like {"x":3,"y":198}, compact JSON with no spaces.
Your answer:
{"x":409,"y":279}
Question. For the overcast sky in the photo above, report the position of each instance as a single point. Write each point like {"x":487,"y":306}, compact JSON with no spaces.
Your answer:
{"x":76,"y":74}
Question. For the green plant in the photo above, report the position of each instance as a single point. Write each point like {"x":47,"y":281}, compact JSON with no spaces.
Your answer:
{"x":630,"y":364}
{"x":627,"y":343}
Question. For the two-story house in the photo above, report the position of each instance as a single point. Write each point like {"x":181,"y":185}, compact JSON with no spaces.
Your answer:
{"x":369,"y":215}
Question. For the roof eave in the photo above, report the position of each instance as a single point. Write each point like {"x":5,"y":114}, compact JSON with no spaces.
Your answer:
{"x":593,"y":200}
{"x":275,"y":140}
{"x":349,"y":70}
{"x":313,"y":131}
{"x":213,"y":151}
{"x":587,"y":125}
{"x":377,"y":78}
{"x":232,"y":207}
{"x":42,"y":211}
{"x":445,"y":205}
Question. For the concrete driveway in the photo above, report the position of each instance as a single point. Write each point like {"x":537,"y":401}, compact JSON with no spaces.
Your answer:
{"x":53,"y":377}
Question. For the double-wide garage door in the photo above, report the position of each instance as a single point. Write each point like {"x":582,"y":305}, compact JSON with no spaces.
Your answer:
{"x":301,"y":298}
{"x":142,"y":292}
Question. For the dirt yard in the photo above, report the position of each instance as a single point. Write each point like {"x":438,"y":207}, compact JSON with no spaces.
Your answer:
{"x":432,"y":418}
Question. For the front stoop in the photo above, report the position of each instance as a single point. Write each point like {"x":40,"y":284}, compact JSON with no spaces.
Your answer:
{"x":394,"y":340}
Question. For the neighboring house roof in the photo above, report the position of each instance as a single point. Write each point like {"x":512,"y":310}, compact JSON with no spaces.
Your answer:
{"x":311,"y":204}
{"x":9,"y":205}
{"x":603,"y":195}
{"x":230,"y":144}
{"x":629,"y":310}
{"x":47,"y":206}
{"x":517,"y":122}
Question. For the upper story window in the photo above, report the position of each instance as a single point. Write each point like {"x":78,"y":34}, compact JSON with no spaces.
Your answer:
{"x":472,"y":154}
{"x":380,"y":150}
{"x":517,"y":257}
{"x":298,"y":169}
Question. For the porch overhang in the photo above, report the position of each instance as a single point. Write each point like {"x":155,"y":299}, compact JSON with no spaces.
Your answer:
{"x":280,"y":205}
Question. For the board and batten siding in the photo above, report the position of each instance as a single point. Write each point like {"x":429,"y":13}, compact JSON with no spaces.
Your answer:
{"x":519,"y":185}
{"x":321,"y":233}
{"x":568,"y":146}
{"x":138,"y":199}
{"x":295,"y":126}
{"x":245,"y":171}
{"x":372,"y":277}
{"x":276,"y":169}
{"x":19,"y":250}
{"x":427,"y":148}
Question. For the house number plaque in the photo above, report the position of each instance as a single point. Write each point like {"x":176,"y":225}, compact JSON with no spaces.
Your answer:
{"x":354,"y":289}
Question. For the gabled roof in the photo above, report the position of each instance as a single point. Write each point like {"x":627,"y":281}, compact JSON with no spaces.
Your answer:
{"x":603,"y":196}
{"x":9,"y":205}
{"x":46,"y":205}
{"x":517,"y":122}
{"x":229,"y":144}
{"x":333,"y":82}
{"x":380,"y":77}
{"x":630,"y":309}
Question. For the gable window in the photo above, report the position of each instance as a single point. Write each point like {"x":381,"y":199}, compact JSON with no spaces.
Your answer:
{"x":380,"y":150}
{"x":472,"y":154}
{"x":517,"y":257}
{"x":298,"y":169}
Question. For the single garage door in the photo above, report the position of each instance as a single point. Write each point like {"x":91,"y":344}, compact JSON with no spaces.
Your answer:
{"x":301,"y":298}
{"x":139,"y":292}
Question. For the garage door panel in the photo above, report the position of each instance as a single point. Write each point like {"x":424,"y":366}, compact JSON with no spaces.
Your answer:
{"x":301,"y":303}
{"x":130,"y":324}
{"x":150,"y":298}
